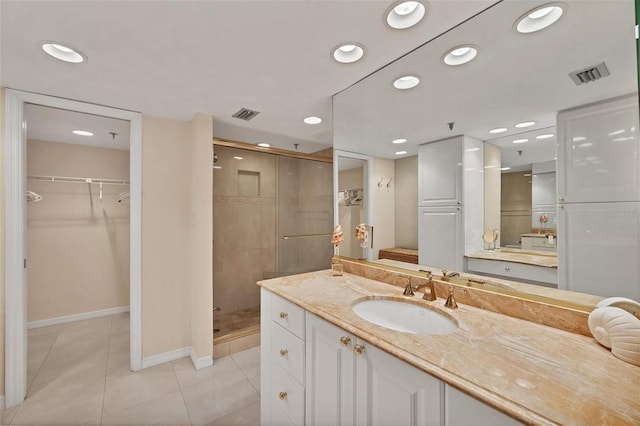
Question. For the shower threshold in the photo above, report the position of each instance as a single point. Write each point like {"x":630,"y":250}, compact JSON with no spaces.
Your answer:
{"x":237,"y":324}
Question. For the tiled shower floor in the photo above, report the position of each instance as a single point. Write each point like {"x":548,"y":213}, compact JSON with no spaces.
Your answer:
{"x":230,"y":325}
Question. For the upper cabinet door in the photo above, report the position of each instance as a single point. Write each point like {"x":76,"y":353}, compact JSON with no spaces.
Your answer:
{"x":440,"y":173}
{"x":599,"y":152}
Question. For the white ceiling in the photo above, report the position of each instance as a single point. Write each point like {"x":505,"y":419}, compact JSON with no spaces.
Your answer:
{"x":515,"y":77}
{"x":177,"y":58}
{"x":57,"y":125}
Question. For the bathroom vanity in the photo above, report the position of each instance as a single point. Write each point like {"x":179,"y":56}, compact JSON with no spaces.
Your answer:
{"x":322,"y":363}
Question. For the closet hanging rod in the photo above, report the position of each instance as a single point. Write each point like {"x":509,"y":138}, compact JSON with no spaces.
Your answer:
{"x":69,"y":179}
{"x":295,"y":237}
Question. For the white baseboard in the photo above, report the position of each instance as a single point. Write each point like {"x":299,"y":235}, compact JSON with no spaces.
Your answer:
{"x":187,"y":351}
{"x":200,"y":363}
{"x":77,"y":317}
{"x":150,"y":361}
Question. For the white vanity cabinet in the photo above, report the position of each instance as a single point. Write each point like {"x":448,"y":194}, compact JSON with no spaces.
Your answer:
{"x":282,"y":357}
{"x":347,"y":381}
{"x":352,"y":381}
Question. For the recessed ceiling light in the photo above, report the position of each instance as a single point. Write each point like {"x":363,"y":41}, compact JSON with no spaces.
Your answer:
{"x":460,"y":55}
{"x":62,"y":52}
{"x":347,"y":53}
{"x":406,"y":82}
{"x":82,"y":133}
{"x":264,"y":145}
{"x":525,"y":124}
{"x":539,"y":18}
{"x":237,"y":157}
{"x":521,"y":140}
{"x":545,"y":136}
{"x":405,"y":14}
{"x":498,"y":130}
{"x":313,"y":120}
{"x":401,"y":152}
{"x":398,"y":141}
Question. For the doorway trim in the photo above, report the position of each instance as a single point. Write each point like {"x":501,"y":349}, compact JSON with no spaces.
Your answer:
{"x":15,"y":318}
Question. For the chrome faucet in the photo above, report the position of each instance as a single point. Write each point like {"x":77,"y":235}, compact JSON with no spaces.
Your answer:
{"x":411,"y":288}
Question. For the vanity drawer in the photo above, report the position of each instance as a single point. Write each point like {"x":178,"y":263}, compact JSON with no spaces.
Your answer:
{"x":287,"y":351}
{"x":287,"y":395}
{"x":288,"y":315}
{"x":514,"y":271}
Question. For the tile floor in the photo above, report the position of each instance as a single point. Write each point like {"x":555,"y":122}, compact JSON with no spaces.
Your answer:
{"x":78,"y":374}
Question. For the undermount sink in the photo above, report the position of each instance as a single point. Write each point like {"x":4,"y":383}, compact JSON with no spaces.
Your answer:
{"x":404,"y":316}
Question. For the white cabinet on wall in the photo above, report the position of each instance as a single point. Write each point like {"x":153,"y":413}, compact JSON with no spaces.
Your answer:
{"x":599,"y":198}
{"x":441,"y":237}
{"x":450,"y":177}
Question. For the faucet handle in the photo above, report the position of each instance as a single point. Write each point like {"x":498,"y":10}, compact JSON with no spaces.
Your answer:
{"x":451,"y":301}
{"x":408,"y":289}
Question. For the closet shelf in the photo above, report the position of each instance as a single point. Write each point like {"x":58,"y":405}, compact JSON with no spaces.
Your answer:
{"x":69,"y":179}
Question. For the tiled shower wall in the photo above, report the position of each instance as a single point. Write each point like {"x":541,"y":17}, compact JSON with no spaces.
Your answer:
{"x":256,"y":200}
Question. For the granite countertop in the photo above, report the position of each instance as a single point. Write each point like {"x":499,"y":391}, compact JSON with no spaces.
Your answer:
{"x":534,"y":373}
{"x":529,"y":257}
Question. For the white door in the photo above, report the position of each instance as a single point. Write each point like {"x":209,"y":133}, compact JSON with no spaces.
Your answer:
{"x":330,"y":373}
{"x":440,"y":173}
{"x":598,"y":245}
{"x":440,"y":237}
{"x":391,"y":392}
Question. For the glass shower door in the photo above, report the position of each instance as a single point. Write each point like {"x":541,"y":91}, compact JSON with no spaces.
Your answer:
{"x":304,"y":209}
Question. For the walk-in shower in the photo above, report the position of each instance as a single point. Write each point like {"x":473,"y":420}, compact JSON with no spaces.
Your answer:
{"x":272,"y":216}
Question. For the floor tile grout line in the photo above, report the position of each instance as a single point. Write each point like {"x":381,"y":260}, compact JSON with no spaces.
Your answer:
{"x":173,"y":368}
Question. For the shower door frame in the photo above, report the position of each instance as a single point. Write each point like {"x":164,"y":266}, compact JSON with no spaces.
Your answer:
{"x":15,"y":279}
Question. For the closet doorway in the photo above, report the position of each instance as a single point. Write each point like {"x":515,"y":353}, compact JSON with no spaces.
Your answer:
{"x":73,"y":231}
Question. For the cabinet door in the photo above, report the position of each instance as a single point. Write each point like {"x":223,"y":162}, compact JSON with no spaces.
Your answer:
{"x":391,"y":392}
{"x":598,"y":248}
{"x":440,"y":173}
{"x":330,"y":371}
{"x":463,"y":410}
{"x":440,"y":237}
{"x":598,"y":152}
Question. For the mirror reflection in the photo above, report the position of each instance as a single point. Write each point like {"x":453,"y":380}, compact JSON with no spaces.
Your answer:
{"x":523,"y":106}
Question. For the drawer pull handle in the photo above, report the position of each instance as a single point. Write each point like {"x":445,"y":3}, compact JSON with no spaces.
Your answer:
{"x":283,"y":315}
{"x":358,"y":349}
{"x":344,"y":340}
{"x":283,"y":352}
{"x":282,"y":395}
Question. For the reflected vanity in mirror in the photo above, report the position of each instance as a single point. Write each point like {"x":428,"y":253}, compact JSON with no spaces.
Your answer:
{"x":556,"y":114}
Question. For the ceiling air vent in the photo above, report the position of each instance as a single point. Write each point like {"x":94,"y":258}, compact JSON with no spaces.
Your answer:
{"x":245,"y":114}
{"x":589,"y":74}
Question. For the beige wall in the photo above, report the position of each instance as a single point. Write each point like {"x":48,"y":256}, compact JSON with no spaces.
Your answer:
{"x":406,"y":202}
{"x":2,"y":119}
{"x":166,"y":228}
{"x":77,"y":244}
{"x":383,"y":198}
{"x":492,"y":185}
{"x":201,"y":235}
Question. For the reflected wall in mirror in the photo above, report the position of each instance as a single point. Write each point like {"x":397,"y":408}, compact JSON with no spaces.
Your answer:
{"x":518,"y":82}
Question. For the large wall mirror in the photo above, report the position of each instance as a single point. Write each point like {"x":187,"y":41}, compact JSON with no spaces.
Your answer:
{"x":513,"y":79}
